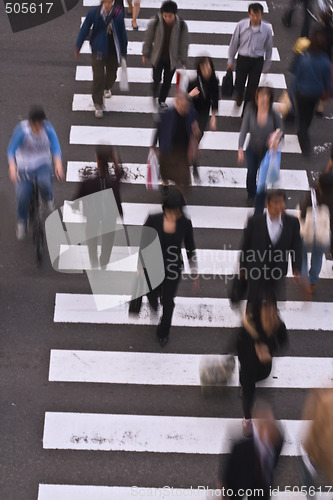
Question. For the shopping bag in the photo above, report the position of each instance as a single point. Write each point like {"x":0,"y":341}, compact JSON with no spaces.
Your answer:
{"x":182,"y":80}
{"x":269,"y":171}
{"x":227,"y":87}
{"x":123,"y":82}
{"x":153,"y":172}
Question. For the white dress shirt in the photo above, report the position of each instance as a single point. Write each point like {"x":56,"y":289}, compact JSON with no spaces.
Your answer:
{"x":274,"y":227}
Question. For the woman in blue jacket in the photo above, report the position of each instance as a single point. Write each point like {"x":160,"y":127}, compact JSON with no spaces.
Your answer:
{"x":108,"y":42}
{"x":312,"y":77}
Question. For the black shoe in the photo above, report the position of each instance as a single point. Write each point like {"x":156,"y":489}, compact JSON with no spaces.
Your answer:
{"x":163,"y":105}
{"x":163,"y":341}
{"x":319,"y":114}
{"x":250,"y":202}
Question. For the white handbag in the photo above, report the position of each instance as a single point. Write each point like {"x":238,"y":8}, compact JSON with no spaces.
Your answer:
{"x":315,"y":228}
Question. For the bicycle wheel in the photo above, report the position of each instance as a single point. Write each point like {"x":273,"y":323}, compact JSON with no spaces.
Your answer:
{"x":37,"y":225}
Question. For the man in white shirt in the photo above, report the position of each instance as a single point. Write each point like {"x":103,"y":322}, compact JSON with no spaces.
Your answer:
{"x":269,"y":239}
{"x":252,"y":40}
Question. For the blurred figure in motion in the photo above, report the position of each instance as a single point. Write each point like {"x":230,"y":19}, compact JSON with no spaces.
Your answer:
{"x":32,"y":147}
{"x":311,"y":78}
{"x":108,"y":42}
{"x":252,"y":461}
{"x":260,"y":121}
{"x":165,"y":46}
{"x":204,"y":92}
{"x":174,"y":229}
{"x":96,"y":216}
{"x":177,"y":129}
{"x":322,"y":197}
{"x":268,"y":240}
{"x":261,"y":335}
{"x":289,"y":12}
{"x":317,"y":451}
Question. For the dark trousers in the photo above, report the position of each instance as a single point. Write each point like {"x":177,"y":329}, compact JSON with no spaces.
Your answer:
{"x":288,"y":14}
{"x":167,"y":291}
{"x":104,"y":75}
{"x":253,"y":159}
{"x":305,"y":107}
{"x":251,"y":371}
{"x":248,"y":68}
{"x":162,"y":66}
{"x":106,"y":241}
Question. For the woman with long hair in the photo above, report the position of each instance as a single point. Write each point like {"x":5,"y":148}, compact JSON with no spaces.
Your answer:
{"x":260,"y":120}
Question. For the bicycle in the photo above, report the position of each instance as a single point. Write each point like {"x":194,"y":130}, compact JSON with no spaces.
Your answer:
{"x":36,"y":222}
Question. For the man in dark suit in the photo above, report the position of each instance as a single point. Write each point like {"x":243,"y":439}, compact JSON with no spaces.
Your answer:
{"x":252,"y":461}
{"x":268,"y":241}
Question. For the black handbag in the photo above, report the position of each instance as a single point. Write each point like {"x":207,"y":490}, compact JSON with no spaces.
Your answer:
{"x":227,"y":87}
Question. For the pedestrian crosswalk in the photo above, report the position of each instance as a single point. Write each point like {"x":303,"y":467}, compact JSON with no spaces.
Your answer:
{"x":170,"y":430}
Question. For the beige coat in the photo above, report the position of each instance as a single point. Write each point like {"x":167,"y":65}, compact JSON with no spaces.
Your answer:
{"x":319,"y":441}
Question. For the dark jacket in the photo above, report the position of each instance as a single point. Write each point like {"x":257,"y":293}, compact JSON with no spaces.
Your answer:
{"x":165,"y":128}
{"x":173,"y":261}
{"x":99,"y":33}
{"x":266,"y":265}
{"x":243,"y":468}
{"x":208,"y":97}
{"x":312,"y":74}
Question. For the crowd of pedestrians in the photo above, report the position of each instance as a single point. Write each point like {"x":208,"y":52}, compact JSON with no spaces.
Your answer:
{"x":270,"y":239}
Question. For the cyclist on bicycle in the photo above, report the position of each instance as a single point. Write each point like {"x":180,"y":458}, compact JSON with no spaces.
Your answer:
{"x":30,"y":151}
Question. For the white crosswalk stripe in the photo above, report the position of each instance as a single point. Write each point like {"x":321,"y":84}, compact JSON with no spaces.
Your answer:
{"x":155,"y":433}
{"x":71,"y":492}
{"x":219,"y":177}
{"x":177,"y":369}
{"x":214,"y":5}
{"x":150,"y":433}
{"x":142,"y":137}
{"x":189,"y":311}
{"x":194,"y":50}
{"x":144,"y":75}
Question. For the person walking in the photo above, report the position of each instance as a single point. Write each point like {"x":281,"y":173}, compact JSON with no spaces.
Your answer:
{"x":165,"y":46}
{"x":311,"y":78}
{"x":289,"y":12}
{"x":252,"y":461}
{"x":134,"y":9}
{"x":322,"y":196}
{"x":261,"y":335}
{"x":108,"y":41}
{"x":268,"y":240}
{"x":176,"y":129}
{"x":252,"y":40}
{"x":101,"y":220}
{"x":174,"y":229}
{"x":32,"y":147}
{"x":260,"y":121}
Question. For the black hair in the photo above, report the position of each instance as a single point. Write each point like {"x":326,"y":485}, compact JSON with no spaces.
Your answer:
{"x":269,"y":90}
{"x":174,"y":200}
{"x":201,"y":60}
{"x":36,"y":114}
{"x":272,"y":193}
{"x":169,"y":6}
{"x":256,"y":7}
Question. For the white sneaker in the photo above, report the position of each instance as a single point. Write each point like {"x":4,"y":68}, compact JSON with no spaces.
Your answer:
{"x":98,"y":112}
{"x":20,"y":230}
{"x":107,"y":94}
